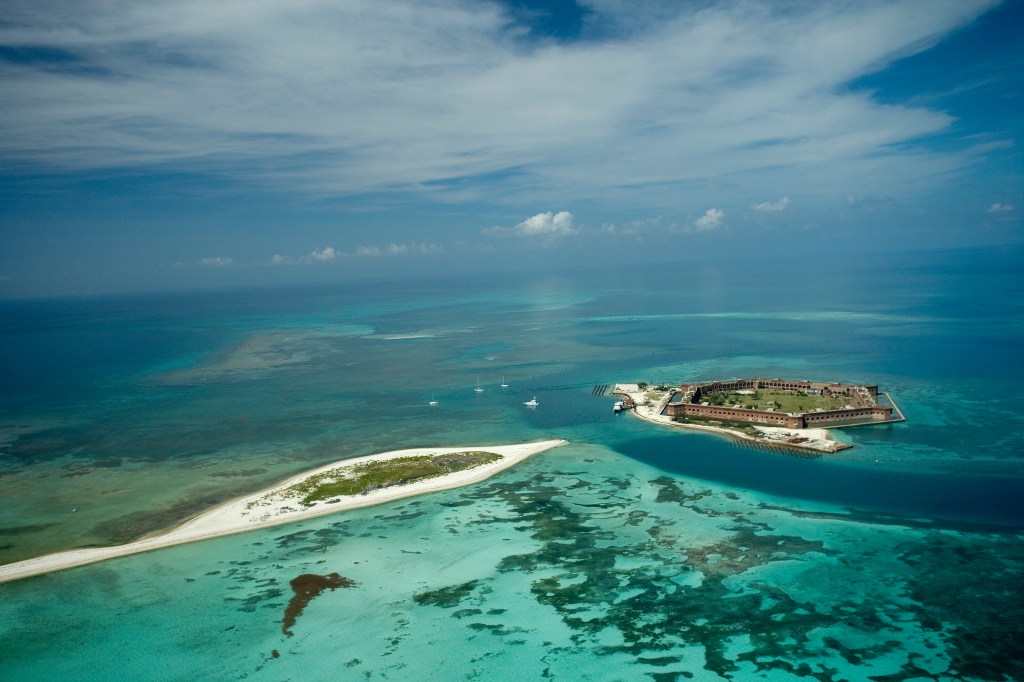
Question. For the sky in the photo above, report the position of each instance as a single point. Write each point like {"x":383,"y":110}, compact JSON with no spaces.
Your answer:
{"x":180,"y":144}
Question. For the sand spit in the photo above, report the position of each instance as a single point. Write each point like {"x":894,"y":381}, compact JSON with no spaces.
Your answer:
{"x":270,"y":508}
{"x":649,"y":405}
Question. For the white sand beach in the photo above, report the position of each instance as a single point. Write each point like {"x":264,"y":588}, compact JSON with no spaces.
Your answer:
{"x":269,"y":508}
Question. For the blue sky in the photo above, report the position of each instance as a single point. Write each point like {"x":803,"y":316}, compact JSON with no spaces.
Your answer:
{"x":206,"y":143}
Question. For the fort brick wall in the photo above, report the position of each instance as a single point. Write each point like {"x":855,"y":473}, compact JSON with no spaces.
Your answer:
{"x":732,"y":414}
{"x":863,"y":405}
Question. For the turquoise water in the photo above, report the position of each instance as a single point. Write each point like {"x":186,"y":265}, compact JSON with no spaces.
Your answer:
{"x":635,"y":552}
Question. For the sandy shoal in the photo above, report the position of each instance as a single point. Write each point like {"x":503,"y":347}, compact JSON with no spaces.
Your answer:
{"x":264,"y":509}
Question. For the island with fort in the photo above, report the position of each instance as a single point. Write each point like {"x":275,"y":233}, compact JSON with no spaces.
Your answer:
{"x":777,"y":414}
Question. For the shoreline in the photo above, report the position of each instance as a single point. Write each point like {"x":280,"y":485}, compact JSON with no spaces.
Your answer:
{"x":818,"y":440}
{"x":265,"y":508}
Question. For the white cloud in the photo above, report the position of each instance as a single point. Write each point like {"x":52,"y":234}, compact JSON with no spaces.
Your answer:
{"x":548,"y":224}
{"x":216,"y":262}
{"x":368,"y":251}
{"x":397,"y":249}
{"x":430,"y":248}
{"x":772,"y":206}
{"x":278,"y":259}
{"x":1000,"y":208}
{"x":711,"y":220}
{"x":324,"y":254}
{"x":444,"y":97}
{"x":543,"y":225}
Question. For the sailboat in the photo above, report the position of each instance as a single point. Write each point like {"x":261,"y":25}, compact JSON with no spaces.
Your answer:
{"x":532,"y":403}
{"x":432,"y":401}
{"x":479,"y":388}
{"x":503,"y":384}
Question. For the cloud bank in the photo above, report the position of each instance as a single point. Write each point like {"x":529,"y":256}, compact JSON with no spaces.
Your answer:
{"x":447,"y":100}
{"x":329,"y":253}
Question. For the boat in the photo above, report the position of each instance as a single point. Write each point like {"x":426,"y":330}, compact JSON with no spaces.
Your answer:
{"x":432,"y":401}
{"x":617,"y":407}
{"x":532,"y":403}
{"x":503,"y":384}
{"x":479,"y":388}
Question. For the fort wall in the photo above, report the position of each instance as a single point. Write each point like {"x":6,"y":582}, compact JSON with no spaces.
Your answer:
{"x":863,"y":407}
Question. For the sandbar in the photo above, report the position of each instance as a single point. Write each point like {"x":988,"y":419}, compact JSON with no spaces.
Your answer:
{"x":270,"y":508}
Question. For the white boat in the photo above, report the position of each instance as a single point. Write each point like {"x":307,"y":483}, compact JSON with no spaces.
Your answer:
{"x":432,"y":401}
{"x":479,"y":388}
{"x":503,"y":384}
{"x":617,"y":407}
{"x":532,"y":403}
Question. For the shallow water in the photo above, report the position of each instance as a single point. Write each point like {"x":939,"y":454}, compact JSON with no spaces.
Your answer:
{"x":636,"y":552}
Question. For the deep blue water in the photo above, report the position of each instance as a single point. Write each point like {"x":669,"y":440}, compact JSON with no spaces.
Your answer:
{"x":980,"y":499}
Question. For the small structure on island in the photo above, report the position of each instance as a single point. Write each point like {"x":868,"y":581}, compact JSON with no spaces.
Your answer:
{"x":808,"y":404}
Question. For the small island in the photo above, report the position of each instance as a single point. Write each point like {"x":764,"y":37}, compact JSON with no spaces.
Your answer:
{"x":780,"y":413}
{"x":348,"y":484}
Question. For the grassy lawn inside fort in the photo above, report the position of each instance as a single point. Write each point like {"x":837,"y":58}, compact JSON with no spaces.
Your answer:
{"x":779,"y":401}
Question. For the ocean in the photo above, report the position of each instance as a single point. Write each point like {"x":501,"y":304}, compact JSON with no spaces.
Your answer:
{"x":635,"y":552}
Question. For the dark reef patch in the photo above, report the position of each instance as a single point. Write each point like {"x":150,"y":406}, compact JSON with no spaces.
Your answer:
{"x":41,"y":446}
{"x":746,"y":549}
{"x":973,"y":592}
{"x":446,"y":597}
{"x":672,"y":490}
{"x":321,"y":539}
{"x":305,"y":588}
{"x":238,"y":473}
{"x":659,"y":593}
{"x":26,"y":529}
{"x":133,"y":526}
{"x":84,"y":468}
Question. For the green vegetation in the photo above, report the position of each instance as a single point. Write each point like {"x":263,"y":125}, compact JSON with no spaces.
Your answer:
{"x":359,"y":479}
{"x":779,"y":401}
